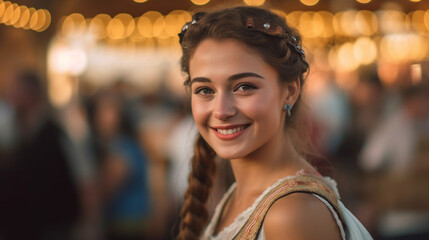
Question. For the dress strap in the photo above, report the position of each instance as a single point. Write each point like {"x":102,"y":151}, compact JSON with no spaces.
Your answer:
{"x":303,"y":183}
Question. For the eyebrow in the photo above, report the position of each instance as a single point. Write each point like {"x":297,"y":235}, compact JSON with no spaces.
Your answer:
{"x":230,"y":78}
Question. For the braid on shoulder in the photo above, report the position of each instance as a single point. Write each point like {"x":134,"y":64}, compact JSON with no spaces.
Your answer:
{"x":194,"y":213}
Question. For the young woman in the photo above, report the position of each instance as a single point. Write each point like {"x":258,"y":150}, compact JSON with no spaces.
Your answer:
{"x":246,"y":71}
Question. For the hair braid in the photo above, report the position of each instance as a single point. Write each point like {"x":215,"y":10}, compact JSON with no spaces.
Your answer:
{"x":194,"y":212}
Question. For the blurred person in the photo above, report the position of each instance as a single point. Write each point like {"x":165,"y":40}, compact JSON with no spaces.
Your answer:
{"x":366,"y":102}
{"x":395,"y":159}
{"x":125,"y":196}
{"x":330,"y":110}
{"x":245,"y":70}
{"x":7,"y":130}
{"x":384,"y":151}
{"x":39,"y":197}
{"x":366,"y":107}
{"x":74,"y":118}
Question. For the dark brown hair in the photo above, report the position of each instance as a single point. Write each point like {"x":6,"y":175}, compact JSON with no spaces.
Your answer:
{"x":278,"y":44}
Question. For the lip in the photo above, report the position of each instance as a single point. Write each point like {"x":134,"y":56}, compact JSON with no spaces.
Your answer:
{"x":229,"y":136}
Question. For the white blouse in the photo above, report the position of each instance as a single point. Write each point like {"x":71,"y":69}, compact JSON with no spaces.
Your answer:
{"x":354,"y":229}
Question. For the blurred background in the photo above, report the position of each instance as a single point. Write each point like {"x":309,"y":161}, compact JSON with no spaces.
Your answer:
{"x":96,"y":132}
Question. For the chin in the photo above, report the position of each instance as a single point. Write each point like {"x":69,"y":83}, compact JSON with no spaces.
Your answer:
{"x":230,"y":153}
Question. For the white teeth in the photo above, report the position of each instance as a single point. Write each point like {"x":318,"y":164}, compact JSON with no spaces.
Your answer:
{"x":230,"y":131}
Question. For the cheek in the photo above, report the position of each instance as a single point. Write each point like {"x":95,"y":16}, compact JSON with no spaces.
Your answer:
{"x":200,"y":112}
{"x":264,"y":108}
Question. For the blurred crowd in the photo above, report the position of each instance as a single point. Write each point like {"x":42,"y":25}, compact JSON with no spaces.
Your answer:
{"x":113,"y":163}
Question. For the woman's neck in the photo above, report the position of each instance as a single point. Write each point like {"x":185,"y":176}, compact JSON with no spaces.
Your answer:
{"x":263,"y":167}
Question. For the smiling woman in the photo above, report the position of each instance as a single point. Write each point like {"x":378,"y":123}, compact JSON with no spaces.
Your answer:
{"x":246,"y":70}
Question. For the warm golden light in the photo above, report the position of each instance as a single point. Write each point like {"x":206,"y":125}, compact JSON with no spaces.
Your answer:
{"x":115,"y":29}
{"x":25,"y":17}
{"x":175,"y":20}
{"x":336,"y":24}
{"x":309,"y":2}
{"x":403,"y":47}
{"x":99,"y":24}
{"x":393,"y":21}
{"x":254,"y":2}
{"x":31,"y":11}
{"x":74,"y":25}
{"x":415,"y":0}
{"x":306,"y":24}
{"x":345,"y":58}
{"x":318,"y":25}
{"x":426,"y":20}
{"x":151,"y":24}
{"x":293,"y":18}
{"x":128,"y":23}
{"x":8,"y":13}
{"x":140,"y":1}
{"x":15,"y":15}
{"x":366,"y":23}
{"x":34,"y":19}
{"x":365,"y":50}
{"x":2,"y":9}
{"x":417,"y":20}
{"x":348,"y":23}
{"x":158,"y":27}
{"x":144,"y":26}
{"x":41,"y":19}
{"x":328,"y":29}
{"x":363,"y":1}
{"x":200,"y":2}
{"x":47,"y":22}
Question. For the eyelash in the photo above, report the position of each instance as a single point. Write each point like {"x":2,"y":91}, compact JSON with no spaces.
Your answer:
{"x":200,"y":89}
{"x":243,"y":84}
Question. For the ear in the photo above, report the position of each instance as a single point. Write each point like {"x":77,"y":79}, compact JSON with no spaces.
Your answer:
{"x":291,"y":91}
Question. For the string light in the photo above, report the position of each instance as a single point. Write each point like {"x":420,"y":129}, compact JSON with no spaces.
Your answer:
{"x":15,"y":15}
{"x":254,"y":2}
{"x":200,"y":2}
{"x":153,"y":29}
{"x":2,"y":9}
{"x":309,"y":2}
{"x":363,"y":1}
{"x":20,"y":16}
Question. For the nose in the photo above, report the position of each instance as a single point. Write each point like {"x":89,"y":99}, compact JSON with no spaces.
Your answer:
{"x":224,"y":107}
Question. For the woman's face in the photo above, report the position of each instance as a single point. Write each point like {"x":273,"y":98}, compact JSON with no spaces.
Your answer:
{"x":236,"y":98}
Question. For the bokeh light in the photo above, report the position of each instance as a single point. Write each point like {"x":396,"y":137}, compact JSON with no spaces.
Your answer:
{"x":254,"y":2}
{"x":74,"y":25}
{"x":365,"y":50}
{"x":363,"y":1}
{"x":200,"y":2}
{"x":15,"y":15}
{"x":309,"y":2}
{"x":366,"y":23}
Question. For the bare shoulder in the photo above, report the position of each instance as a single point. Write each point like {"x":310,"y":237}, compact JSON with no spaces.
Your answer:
{"x":300,"y":216}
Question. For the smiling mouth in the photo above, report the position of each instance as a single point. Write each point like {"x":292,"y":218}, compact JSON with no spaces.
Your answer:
{"x":231,"y":131}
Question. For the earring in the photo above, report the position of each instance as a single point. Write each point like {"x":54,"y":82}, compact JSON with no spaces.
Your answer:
{"x":288,"y":108}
